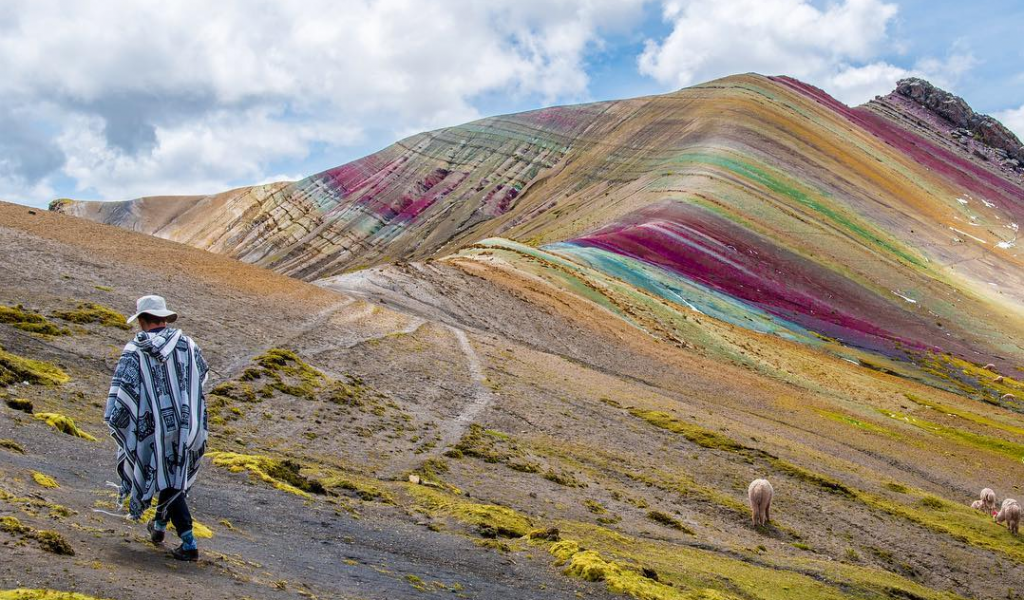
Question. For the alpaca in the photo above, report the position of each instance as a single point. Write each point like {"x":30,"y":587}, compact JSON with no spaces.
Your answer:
{"x":988,"y":500}
{"x":978,"y":505}
{"x":1010,"y":513}
{"x":760,"y":494}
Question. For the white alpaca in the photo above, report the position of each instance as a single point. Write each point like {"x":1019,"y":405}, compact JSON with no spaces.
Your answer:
{"x":760,"y":494}
{"x":988,"y":500}
{"x":979,"y":505}
{"x":1010,"y":514}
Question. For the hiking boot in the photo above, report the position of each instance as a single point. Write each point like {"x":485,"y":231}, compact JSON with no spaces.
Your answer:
{"x":155,"y":535}
{"x":180,"y":553}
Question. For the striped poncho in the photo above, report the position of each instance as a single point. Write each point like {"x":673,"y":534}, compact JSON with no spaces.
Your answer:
{"x":157,"y":415}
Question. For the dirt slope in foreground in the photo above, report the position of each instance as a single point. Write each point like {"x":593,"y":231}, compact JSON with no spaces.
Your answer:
{"x":524,"y":408}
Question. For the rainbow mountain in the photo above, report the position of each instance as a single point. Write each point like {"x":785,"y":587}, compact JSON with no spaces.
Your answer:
{"x":885,"y":234}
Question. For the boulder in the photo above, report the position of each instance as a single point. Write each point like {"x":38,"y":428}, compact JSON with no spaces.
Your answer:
{"x":965,"y":121}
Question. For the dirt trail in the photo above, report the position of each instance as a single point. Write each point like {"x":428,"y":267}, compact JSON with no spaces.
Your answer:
{"x":482,"y":396}
{"x":314,"y":322}
{"x":414,"y":325}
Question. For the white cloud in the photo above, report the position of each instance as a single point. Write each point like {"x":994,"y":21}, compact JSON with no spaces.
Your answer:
{"x":857,"y":84}
{"x":279,"y":177}
{"x":18,"y":189}
{"x":188,"y":96}
{"x":837,"y":48}
{"x":1014,"y":119}
{"x":199,"y":156}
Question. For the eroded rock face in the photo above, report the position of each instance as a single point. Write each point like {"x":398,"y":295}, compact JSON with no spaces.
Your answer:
{"x":955,"y":110}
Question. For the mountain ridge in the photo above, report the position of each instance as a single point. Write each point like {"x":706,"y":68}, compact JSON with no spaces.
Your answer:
{"x":872,"y":226}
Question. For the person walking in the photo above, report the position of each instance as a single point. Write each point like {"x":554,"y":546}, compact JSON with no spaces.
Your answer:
{"x":156,"y":412}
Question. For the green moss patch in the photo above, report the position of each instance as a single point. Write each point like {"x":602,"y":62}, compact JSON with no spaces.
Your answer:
{"x":13,"y":526}
{"x":416,"y":582}
{"x":26,"y":320}
{"x":988,"y":443}
{"x":859,"y":424}
{"x":283,"y":370}
{"x":566,"y":478}
{"x":623,"y":578}
{"x":44,"y":480}
{"x":21,"y":404}
{"x":229,"y":395}
{"x":481,"y":443}
{"x":41,"y":594}
{"x":710,"y":439}
{"x":500,"y":448}
{"x":53,"y":542}
{"x":238,"y":392}
{"x":431,"y":473}
{"x":11,"y":445}
{"x":284,"y":474}
{"x":668,"y":521}
{"x":959,"y":521}
{"x":352,"y":392}
{"x":33,"y":505}
{"x":688,"y":573}
{"x":64,"y":424}
{"x":488,"y":520}
{"x":694,"y":433}
{"x":686,"y":486}
{"x":361,"y":488}
{"x":50,"y":541}
{"x":90,"y":312}
{"x":589,"y":565}
{"x":16,"y":369}
{"x":963,"y":414}
{"x":816,"y":479}
{"x":59,"y":204}
{"x":548,"y":534}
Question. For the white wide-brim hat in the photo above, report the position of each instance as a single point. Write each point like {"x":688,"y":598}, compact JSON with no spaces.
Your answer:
{"x":153,"y":305}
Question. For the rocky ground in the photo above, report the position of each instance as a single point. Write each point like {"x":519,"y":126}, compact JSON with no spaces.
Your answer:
{"x":519,"y":408}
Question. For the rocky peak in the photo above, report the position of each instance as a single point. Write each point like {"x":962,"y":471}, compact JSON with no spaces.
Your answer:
{"x":957,"y":112}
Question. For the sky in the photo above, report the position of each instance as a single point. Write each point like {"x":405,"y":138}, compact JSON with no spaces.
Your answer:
{"x":120,"y":99}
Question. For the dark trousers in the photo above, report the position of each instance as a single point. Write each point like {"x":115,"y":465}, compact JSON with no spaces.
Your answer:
{"x":175,"y":511}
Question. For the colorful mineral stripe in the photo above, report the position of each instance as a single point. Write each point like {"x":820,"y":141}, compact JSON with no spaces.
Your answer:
{"x":759,"y":201}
